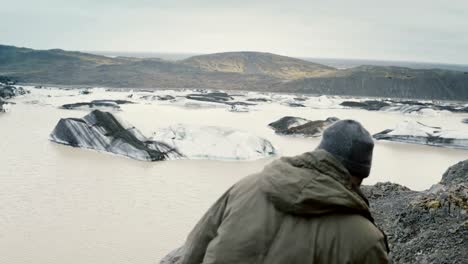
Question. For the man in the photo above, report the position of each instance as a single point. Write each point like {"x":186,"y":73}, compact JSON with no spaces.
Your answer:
{"x":303,"y":209}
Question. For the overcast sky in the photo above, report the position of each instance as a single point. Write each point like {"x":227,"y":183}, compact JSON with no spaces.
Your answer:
{"x":409,"y":30}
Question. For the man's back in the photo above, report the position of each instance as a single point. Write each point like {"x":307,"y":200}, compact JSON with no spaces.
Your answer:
{"x":298,"y":210}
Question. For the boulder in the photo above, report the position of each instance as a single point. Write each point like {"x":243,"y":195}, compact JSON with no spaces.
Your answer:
{"x":290,"y":125}
{"x":418,"y":133}
{"x":465,"y":120}
{"x":214,"y":143}
{"x":103,"y":131}
{"x":456,"y":174}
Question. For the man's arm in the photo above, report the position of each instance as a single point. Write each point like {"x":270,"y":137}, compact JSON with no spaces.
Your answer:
{"x":205,"y":230}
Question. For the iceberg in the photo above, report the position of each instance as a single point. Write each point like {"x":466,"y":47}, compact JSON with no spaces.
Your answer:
{"x":9,"y":91}
{"x":108,"y":105}
{"x":215,"y":143}
{"x":102,"y":131}
{"x":4,"y":106}
{"x":418,"y":133}
{"x":291,"y":125}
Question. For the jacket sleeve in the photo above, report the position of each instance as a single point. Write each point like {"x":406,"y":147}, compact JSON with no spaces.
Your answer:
{"x":205,"y":231}
{"x":376,"y":254}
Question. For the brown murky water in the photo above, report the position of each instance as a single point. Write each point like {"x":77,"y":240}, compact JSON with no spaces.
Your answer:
{"x":65,"y":205}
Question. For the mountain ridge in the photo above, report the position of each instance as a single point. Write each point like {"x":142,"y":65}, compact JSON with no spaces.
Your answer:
{"x":258,"y":71}
{"x":250,"y":62}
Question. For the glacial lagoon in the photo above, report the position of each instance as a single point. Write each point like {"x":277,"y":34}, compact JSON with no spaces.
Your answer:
{"x":68,"y":205}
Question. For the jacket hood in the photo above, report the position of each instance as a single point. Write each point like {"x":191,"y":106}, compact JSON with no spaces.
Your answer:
{"x":313,"y":183}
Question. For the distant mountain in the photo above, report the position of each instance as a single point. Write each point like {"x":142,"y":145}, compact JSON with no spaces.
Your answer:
{"x":258,"y":63}
{"x":231,"y":70}
{"x":77,"y":68}
{"x":351,"y":63}
{"x":382,"y":81}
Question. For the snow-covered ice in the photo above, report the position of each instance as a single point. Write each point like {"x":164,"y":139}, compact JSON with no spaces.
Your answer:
{"x":215,"y":143}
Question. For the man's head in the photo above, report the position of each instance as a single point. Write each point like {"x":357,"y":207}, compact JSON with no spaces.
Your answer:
{"x":350,"y":143}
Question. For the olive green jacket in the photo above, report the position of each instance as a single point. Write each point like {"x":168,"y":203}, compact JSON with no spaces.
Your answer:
{"x":299,"y":209}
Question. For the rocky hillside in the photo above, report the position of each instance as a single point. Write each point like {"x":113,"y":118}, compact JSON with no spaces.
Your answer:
{"x":425,"y":227}
{"x":231,"y":70}
{"x":259,"y":63}
{"x":77,"y":68}
{"x":382,"y":81}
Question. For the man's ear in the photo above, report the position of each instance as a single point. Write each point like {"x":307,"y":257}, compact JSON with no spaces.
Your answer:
{"x":356,"y":181}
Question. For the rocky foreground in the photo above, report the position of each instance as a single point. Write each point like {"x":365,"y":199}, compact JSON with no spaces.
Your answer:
{"x":422,"y":227}
{"x":425,"y":227}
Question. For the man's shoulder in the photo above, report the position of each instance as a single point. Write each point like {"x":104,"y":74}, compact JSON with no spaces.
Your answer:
{"x":357,"y":230}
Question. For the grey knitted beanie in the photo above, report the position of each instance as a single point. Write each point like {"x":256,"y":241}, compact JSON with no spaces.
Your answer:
{"x":350,"y":143}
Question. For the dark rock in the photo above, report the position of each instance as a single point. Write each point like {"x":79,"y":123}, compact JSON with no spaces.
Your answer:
{"x":456,"y":174}
{"x":91,"y":105}
{"x":295,"y":105}
{"x":85,"y":92}
{"x":424,"y":227}
{"x":372,"y":105}
{"x":465,"y":120}
{"x":102,"y":131}
{"x":165,"y":97}
{"x":383,"y":189}
{"x":259,"y":100}
{"x":290,"y":125}
{"x":119,"y":102}
{"x":215,"y":97}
